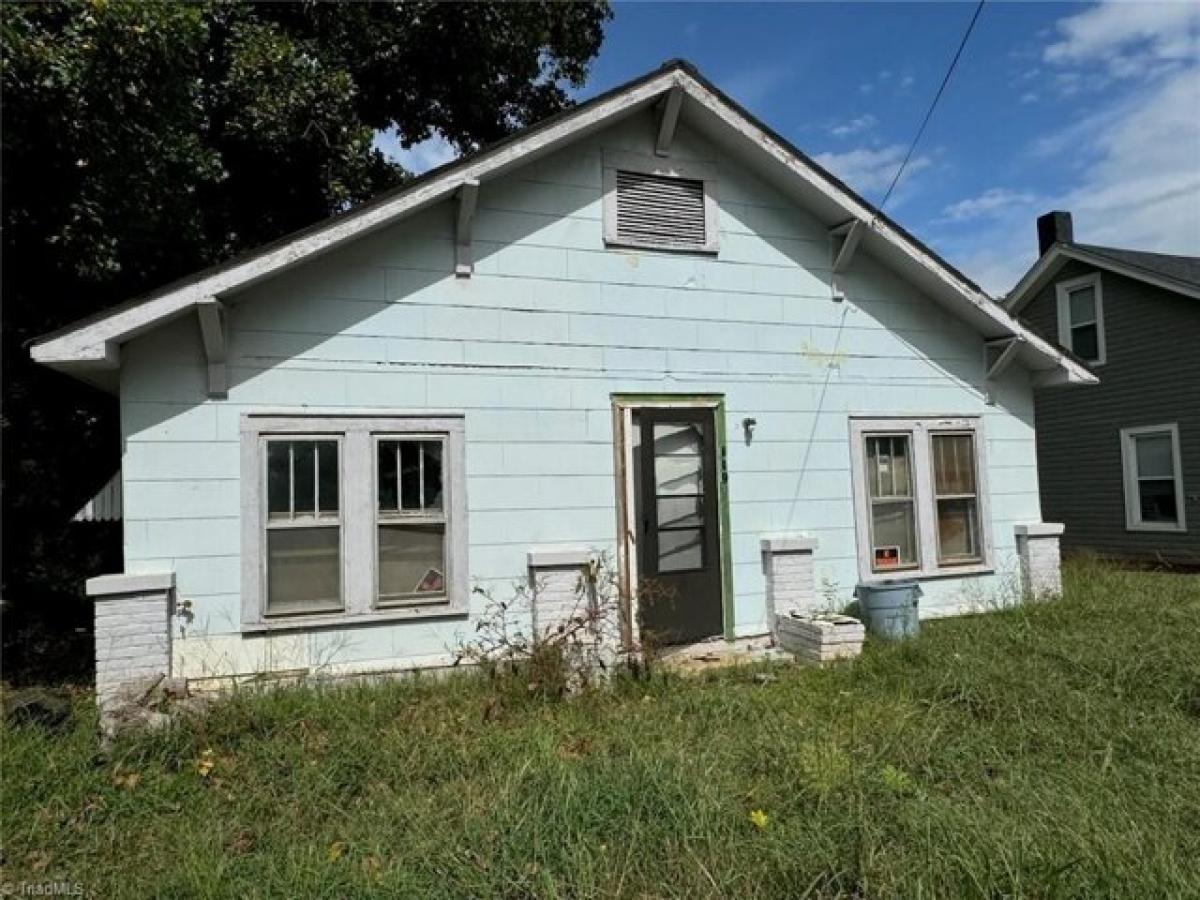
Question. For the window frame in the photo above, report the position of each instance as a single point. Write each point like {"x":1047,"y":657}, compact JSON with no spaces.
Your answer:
{"x":1063,"y":291}
{"x":1130,"y":479}
{"x":691,"y":170}
{"x":357,"y":434}
{"x":411,"y":517}
{"x":919,"y":430}
{"x":317,"y":520}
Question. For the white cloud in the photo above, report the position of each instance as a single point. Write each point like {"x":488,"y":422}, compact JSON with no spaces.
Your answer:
{"x":750,"y":87}
{"x":420,"y":157}
{"x":853,"y":126}
{"x":1029,"y":97}
{"x":991,"y":203}
{"x":866,"y":169}
{"x":1119,"y":32}
{"x":1143,"y":189}
{"x":1130,"y":161}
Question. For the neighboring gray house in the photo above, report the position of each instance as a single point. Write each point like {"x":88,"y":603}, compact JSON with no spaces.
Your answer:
{"x":1119,"y":463}
{"x":648,"y":327}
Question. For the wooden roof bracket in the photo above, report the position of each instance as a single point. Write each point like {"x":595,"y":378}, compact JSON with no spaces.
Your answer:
{"x":1005,"y":350}
{"x":214,"y":333}
{"x":668,"y":120}
{"x":468,"y":196}
{"x":843,"y":242}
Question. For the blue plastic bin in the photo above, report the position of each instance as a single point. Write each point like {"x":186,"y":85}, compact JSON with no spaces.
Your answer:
{"x":889,"y":608}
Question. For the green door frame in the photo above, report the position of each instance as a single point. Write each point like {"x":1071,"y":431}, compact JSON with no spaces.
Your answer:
{"x":716,"y":402}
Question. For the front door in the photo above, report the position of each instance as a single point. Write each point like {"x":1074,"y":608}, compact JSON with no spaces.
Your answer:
{"x":679,"y":557}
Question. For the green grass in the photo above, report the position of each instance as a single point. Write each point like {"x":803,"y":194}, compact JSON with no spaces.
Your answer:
{"x":1049,"y":751}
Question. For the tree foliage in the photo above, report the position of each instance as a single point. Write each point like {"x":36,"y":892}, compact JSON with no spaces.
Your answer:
{"x":145,"y":140}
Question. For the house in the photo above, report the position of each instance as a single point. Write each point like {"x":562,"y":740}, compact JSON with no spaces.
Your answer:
{"x":1119,"y":464}
{"x":647,"y":328}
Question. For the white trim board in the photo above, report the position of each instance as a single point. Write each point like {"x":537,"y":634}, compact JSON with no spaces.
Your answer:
{"x":1058,"y":255}
{"x":93,"y":344}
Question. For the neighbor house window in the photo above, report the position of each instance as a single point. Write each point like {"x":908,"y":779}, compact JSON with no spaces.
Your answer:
{"x":919,"y":496}
{"x":1081,"y":318}
{"x":352,"y":516}
{"x":660,"y":205}
{"x":1151,"y":458}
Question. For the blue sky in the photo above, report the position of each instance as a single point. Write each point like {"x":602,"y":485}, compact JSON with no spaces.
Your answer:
{"x":1089,"y":107}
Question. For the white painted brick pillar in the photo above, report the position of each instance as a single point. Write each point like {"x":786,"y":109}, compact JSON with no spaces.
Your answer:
{"x":555,"y":580}
{"x":1040,"y":561}
{"x":788,"y":564}
{"x":133,"y":633}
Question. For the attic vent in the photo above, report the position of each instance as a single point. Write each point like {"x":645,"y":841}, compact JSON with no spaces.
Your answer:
{"x":660,"y":211}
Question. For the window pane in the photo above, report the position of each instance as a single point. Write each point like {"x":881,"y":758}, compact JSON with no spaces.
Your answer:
{"x":894,"y":533}
{"x":411,"y":560}
{"x":278,"y":478}
{"x":678,"y":475}
{"x":327,"y":482}
{"x":679,"y":512}
{"x":1084,"y":342}
{"x":303,"y":569}
{"x":1154,"y":458}
{"x":410,"y":475}
{"x":304,"y":484}
{"x":1083,"y":305}
{"x":680,"y":550}
{"x":686,"y":439}
{"x":958,"y":530}
{"x":1156,"y":498}
{"x":953,"y":464}
{"x":433,"y":473}
{"x":388,"y":498}
{"x":888,"y":466}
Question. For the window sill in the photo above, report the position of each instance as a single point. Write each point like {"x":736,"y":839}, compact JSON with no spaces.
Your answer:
{"x":918,"y":575}
{"x":1156,"y":529}
{"x":707,"y":250}
{"x":387,"y":615}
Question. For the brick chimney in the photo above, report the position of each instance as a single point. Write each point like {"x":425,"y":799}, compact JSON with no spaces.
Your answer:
{"x":1054,"y":228}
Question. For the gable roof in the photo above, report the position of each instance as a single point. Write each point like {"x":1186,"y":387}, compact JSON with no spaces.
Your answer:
{"x":91,"y":346}
{"x":1175,"y":273}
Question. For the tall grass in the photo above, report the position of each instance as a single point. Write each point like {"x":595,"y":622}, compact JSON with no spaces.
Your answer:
{"x":1050,"y":750}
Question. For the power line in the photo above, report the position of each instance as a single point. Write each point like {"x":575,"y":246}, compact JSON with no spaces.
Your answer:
{"x":933,"y":105}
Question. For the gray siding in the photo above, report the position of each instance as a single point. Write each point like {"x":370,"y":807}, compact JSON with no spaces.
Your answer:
{"x":1151,"y":377}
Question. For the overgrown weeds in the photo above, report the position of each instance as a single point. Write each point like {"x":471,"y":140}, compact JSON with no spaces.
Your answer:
{"x":1051,"y":750}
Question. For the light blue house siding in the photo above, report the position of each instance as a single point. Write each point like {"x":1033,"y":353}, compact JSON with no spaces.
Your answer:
{"x":531,"y":349}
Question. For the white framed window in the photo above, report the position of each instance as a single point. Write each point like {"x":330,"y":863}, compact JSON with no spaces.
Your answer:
{"x":1081,"y":317}
{"x":920,"y":497}
{"x":656,"y":204}
{"x":1153,"y":478}
{"x":352,"y":517}
{"x":303,"y":523}
{"x":410,"y":531}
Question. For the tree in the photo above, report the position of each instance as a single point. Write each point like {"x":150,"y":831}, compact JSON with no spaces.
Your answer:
{"x":145,"y":140}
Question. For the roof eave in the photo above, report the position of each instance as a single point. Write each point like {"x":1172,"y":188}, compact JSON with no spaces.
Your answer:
{"x":94,"y":343}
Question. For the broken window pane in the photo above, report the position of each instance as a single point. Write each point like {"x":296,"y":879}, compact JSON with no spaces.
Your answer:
{"x":411,"y":561}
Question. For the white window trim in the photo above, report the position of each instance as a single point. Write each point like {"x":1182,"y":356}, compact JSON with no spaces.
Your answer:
{"x":1063,"y":294}
{"x":625,"y":161}
{"x":920,"y":427}
{"x":1133,"y":506}
{"x":358,"y":508}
